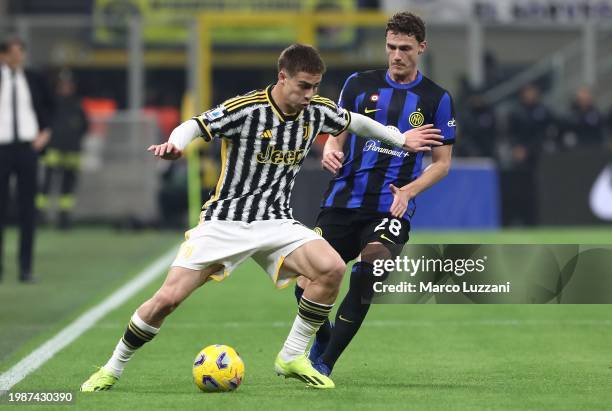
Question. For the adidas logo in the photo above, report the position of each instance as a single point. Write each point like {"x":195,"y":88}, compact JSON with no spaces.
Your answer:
{"x":266,"y":134}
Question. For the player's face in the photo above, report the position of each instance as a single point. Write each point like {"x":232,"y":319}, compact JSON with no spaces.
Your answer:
{"x":299,"y":89}
{"x":403,"y":53}
{"x":15,"y":55}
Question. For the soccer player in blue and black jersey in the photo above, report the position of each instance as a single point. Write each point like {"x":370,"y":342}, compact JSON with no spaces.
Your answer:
{"x":367,"y":208}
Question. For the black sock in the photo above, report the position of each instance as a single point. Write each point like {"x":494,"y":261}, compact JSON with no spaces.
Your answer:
{"x":351,"y":312}
{"x":324,"y":332}
{"x":135,"y":337}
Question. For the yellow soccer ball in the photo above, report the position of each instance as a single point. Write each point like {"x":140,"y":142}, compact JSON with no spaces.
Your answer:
{"x":218,"y":368}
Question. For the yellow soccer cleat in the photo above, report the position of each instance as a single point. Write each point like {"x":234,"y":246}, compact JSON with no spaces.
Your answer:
{"x":302,"y":369}
{"x":100,"y":380}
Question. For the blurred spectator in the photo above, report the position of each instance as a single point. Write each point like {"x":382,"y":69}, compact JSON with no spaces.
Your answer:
{"x":584,"y":125}
{"x":63,"y":155}
{"x":25,"y":107}
{"x":172,"y":197}
{"x":492,"y":71}
{"x":478,"y":128}
{"x":531,"y":127}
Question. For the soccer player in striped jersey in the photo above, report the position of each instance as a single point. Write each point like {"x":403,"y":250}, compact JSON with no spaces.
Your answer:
{"x":265,"y":136}
{"x":367,"y":208}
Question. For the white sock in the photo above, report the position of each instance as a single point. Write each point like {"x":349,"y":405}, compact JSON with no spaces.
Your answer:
{"x":298,"y":339}
{"x":123,"y":352}
{"x":311,"y":315}
{"x":121,"y":355}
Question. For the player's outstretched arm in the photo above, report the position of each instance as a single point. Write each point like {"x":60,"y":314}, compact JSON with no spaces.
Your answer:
{"x":418,"y":139}
{"x":180,"y":137}
{"x":333,"y":153}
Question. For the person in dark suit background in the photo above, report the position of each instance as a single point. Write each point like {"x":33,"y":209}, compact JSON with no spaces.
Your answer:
{"x":531,"y":127}
{"x":585,"y":124}
{"x":25,"y":111}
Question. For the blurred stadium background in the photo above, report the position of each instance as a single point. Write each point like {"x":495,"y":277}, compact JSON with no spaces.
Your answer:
{"x":532,"y":87}
{"x":141,"y":66}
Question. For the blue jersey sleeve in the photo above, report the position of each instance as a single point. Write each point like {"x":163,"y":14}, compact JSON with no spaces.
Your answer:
{"x":444,"y":119}
{"x":348,"y":92}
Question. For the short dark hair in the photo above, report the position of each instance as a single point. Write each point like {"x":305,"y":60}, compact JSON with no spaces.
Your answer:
{"x":6,"y":44}
{"x":300,"y":57}
{"x":407,"y":23}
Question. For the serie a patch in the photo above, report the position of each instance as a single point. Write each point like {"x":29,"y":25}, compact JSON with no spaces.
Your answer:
{"x":215,"y":113}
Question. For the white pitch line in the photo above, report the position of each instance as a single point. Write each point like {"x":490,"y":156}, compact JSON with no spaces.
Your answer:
{"x":74,"y":330}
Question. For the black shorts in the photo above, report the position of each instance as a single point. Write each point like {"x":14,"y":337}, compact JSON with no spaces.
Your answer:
{"x":349,"y":230}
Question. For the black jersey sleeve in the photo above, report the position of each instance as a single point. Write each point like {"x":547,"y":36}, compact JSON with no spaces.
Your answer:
{"x":335,"y":118}
{"x":221,"y":121}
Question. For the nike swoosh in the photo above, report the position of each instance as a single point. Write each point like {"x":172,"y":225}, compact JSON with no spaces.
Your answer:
{"x":601,"y":195}
{"x":387,"y":238}
{"x":371,"y":110}
{"x":340,"y":317}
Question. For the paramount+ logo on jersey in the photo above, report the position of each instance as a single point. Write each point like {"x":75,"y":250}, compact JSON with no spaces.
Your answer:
{"x":278,"y":157}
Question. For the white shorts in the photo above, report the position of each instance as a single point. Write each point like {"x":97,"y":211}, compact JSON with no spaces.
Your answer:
{"x":231,"y":242}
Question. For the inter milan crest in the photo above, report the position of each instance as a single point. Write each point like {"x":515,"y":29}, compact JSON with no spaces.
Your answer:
{"x":374,"y":97}
{"x":416,"y":119}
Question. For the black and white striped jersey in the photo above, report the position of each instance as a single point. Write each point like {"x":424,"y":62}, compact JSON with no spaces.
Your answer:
{"x":262,"y":150}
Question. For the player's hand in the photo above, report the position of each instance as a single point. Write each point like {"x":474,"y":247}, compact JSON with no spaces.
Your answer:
{"x":41,"y":140}
{"x":167,"y":151}
{"x":332,"y":161}
{"x":422,"y":138}
{"x":400,"y":201}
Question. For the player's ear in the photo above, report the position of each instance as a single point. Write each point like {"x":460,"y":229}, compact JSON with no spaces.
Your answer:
{"x":282,"y":77}
{"x":422,"y":46}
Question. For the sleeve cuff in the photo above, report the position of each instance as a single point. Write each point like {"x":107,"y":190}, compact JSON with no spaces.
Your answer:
{"x":348,"y":123}
{"x":206,"y":134}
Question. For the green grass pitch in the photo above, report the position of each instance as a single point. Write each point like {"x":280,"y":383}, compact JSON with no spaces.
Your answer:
{"x":421,"y":357}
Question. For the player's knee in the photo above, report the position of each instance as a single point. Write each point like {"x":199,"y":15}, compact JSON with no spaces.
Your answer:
{"x":339,"y":269}
{"x":332,"y":272}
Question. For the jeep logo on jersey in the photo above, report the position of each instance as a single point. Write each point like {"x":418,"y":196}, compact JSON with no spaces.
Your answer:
{"x":451,"y":123}
{"x":416,"y":119}
{"x":286,"y":157}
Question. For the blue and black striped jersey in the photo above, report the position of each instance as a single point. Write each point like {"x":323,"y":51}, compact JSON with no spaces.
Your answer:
{"x":369,"y":166}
